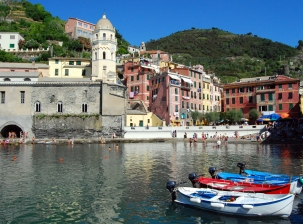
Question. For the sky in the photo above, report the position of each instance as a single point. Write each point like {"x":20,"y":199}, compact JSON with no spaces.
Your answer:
{"x":141,"y":21}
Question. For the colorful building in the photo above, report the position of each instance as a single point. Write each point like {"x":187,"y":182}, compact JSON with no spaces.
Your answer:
{"x":279,"y":94}
{"x":75,"y":28}
{"x":60,"y":67}
{"x":9,"y":41}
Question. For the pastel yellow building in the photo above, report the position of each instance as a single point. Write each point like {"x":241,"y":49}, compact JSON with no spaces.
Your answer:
{"x":70,"y":67}
{"x":206,"y":93}
{"x":137,"y":115}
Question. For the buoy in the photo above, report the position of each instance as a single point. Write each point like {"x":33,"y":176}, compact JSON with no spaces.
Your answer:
{"x":15,"y":157}
{"x":106,"y":157}
{"x":61,"y":159}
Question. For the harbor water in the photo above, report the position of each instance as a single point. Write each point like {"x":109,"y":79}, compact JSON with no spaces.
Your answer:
{"x":106,"y":183}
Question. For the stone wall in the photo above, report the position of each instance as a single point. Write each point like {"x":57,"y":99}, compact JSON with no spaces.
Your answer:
{"x":67,"y":127}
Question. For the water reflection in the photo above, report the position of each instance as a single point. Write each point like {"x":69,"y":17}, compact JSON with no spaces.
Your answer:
{"x":109,"y":183}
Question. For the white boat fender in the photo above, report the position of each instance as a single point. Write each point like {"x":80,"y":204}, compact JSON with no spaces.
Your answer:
{"x":195,"y":200}
{"x":217,"y":205}
{"x":248,"y":206}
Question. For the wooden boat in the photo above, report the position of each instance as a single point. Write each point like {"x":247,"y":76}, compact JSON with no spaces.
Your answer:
{"x":233,"y":203}
{"x":295,"y":181}
{"x":228,"y":185}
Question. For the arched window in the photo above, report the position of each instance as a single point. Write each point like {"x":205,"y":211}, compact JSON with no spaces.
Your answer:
{"x":96,"y":56}
{"x":7,"y":79}
{"x":37,"y":107}
{"x":104,"y":55}
{"x":60,"y":107}
{"x":111,"y":36}
{"x":84,"y":107}
{"x":27,"y":79}
{"x":104,"y":36}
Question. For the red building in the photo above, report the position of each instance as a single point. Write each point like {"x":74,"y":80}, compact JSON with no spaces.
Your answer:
{"x":136,"y":78}
{"x":279,"y":94}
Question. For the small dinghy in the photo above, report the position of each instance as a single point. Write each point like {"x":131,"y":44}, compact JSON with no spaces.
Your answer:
{"x":233,"y":203}
{"x":266,"y":178}
{"x":228,"y":185}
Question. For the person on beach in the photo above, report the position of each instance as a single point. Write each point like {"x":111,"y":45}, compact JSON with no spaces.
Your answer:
{"x":33,"y":140}
{"x":190,"y":141}
{"x":53,"y":140}
{"x":185,"y":135}
{"x":114,"y":135}
{"x":218,"y":143}
{"x":102,"y":140}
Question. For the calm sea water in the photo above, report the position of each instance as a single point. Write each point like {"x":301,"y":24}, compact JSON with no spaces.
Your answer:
{"x":95,"y":184}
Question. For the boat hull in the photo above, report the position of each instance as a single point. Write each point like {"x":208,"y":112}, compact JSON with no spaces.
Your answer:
{"x":252,"y":205}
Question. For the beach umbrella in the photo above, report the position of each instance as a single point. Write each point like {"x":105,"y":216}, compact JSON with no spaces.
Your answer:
{"x":274,"y":117}
{"x":284,"y":115}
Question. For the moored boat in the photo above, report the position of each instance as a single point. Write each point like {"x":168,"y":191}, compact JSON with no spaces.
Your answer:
{"x":233,"y":203}
{"x":242,"y":186}
{"x":295,"y":181}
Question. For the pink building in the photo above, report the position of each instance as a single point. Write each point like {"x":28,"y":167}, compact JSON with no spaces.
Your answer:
{"x":157,"y":55}
{"x":75,"y":28}
{"x":170,"y":97}
{"x":136,"y":78}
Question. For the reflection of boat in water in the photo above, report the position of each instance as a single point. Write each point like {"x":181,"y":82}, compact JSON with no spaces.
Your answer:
{"x":259,"y":178}
{"x":233,"y":203}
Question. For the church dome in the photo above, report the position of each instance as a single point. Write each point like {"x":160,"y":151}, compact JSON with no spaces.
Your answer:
{"x":104,"y":23}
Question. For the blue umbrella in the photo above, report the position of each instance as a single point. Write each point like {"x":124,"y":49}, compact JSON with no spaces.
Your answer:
{"x":274,"y":117}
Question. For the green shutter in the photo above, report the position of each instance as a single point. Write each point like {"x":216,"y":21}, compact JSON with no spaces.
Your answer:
{"x":262,"y":97}
{"x":270,"y":108}
{"x":291,"y":106}
{"x":269,"y":96}
{"x":280,"y":106}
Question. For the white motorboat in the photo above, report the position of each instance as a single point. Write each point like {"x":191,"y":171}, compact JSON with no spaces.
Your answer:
{"x":233,"y":203}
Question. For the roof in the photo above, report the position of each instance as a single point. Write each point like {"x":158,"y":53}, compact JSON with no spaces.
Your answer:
{"x":19,"y":74}
{"x":80,"y":20}
{"x":70,"y":59}
{"x":22,"y":65}
{"x":104,"y":23}
{"x":48,"y":79}
{"x":136,"y":107}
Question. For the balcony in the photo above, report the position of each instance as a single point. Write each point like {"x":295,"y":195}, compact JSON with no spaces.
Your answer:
{"x":187,"y":87}
{"x":265,"y":90}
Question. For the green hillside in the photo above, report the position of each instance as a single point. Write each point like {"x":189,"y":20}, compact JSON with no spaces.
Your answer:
{"x":40,"y":29}
{"x":228,"y":55}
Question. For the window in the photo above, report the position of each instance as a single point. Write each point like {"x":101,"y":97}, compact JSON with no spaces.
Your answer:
{"x":280,"y":106}
{"x":56,"y":61}
{"x":147,"y":88}
{"x":78,"y":62}
{"x":192,"y":106}
{"x":241,"y":90}
{"x":96,"y":56}
{"x":233,"y":90}
{"x":187,"y":105}
{"x":262,"y":97}
{"x":66,"y":72}
{"x":227,"y":101}
{"x":2,"y":97}
{"x":22,"y":96}
{"x":71,"y":62}
{"x":270,"y":96}
{"x":176,"y":98}
{"x":132,"y":78}
{"x":291,"y":106}
{"x":132,"y":88}
{"x":147,"y":98}
{"x":37,"y":107}
{"x":250,"y":89}
{"x":104,"y":36}
{"x":79,"y":24}
{"x":280,"y":96}
{"x":162,"y":79}
{"x":91,"y":27}
{"x":56,"y":71}
{"x":195,"y":84}
{"x":83,"y":72}
{"x":176,"y":90}
{"x":11,"y":45}
{"x":250,"y":99}
{"x":85,"y":25}
{"x":104,"y":55}
{"x":203,"y":107}
{"x":290,"y":86}
{"x":241,"y":100}
{"x":280,"y":86}
{"x":84,"y":107}
{"x":270,"y":107}
{"x":233,"y":100}
{"x":176,"y":108}
{"x":12,"y":37}
{"x":290,"y":95}
{"x":138,"y":77}
{"x":147,"y":77}
{"x":227,"y":91}
{"x":60,"y":107}
{"x":182,"y":104}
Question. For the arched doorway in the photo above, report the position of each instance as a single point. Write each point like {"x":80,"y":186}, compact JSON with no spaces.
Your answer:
{"x":10,"y":128}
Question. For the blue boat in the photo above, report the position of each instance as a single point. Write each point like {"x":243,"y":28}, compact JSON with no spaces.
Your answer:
{"x":259,"y":177}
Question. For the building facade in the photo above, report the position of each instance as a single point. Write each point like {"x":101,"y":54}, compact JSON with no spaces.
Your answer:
{"x":279,"y":94}
{"x":9,"y":41}
{"x":69,"y":67}
{"x":104,"y":47}
{"x":75,"y":28}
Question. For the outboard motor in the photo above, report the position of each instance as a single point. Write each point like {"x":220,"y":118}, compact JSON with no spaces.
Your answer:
{"x":170,"y":185}
{"x":192,"y":177}
{"x":212,"y":171}
{"x":242,"y":167}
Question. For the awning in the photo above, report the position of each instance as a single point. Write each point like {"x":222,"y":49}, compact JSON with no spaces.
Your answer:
{"x":174,"y":77}
{"x":187,"y":80}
